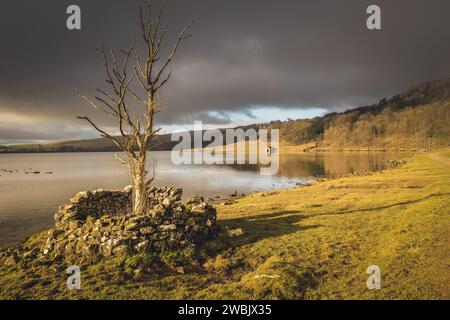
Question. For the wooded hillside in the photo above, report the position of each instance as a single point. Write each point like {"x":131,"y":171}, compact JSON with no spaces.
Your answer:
{"x":416,"y":119}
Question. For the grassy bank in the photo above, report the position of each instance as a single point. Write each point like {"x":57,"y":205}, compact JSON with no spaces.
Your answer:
{"x":312,"y":242}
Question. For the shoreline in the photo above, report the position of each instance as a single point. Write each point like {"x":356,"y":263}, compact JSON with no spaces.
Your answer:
{"x":328,"y":232}
{"x":224,"y":199}
{"x":282,"y":152}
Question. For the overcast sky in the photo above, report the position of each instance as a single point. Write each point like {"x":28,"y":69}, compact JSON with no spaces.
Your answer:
{"x":247,"y":61}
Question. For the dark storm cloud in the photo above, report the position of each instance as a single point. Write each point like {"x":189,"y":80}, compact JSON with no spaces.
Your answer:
{"x":289,"y":54}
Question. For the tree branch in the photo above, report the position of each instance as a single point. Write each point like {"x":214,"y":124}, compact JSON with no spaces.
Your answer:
{"x":104,"y":134}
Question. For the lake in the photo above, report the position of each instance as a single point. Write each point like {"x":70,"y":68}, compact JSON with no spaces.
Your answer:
{"x":29,"y":200}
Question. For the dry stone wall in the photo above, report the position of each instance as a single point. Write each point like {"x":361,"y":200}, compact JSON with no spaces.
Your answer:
{"x":100,"y":223}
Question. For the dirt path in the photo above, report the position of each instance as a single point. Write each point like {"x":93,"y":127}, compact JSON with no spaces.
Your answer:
{"x":441,"y":158}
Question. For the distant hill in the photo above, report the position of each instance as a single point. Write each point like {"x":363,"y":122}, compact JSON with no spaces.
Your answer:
{"x":86,"y":145}
{"x":417,"y":119}
{"x":160,"y":143}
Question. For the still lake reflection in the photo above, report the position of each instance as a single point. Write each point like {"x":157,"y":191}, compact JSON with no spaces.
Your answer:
{"x":28,"y":200}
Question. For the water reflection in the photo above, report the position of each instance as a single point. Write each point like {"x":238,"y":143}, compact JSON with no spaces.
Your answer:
{"x":325,"y":164}
{"x":28,"y":200}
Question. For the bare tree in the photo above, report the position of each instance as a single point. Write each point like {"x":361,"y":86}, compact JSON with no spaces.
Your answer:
{"x":134,"y":81}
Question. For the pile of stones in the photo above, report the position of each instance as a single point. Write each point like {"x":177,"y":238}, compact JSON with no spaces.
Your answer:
{"x":395,"y":163}
{"x":100,"y":223}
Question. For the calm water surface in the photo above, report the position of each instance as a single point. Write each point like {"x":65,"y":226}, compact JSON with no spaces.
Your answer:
{"x":28,"y":200}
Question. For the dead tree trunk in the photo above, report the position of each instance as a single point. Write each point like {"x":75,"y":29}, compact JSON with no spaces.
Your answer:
{"x":133,"y":100}
{"x":139,"y":188}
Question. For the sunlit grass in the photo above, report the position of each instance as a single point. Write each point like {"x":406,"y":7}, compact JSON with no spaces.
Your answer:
{"x":311,"y":242}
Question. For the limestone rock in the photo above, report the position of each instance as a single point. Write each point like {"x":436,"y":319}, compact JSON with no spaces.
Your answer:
{"x":168,"y":227}
{"x":74,"y":224}
{"x":12,"y":260}
{"x":232,"y":233}
{"x":147,"y":230}
{"x":142,"y":246}
{"x":166,"y":203}
{"x":198,"y":209}
{"x":181,"y":270}
{"x":120,"y":250}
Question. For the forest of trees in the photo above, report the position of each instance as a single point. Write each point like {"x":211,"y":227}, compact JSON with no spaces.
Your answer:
{"x":416,"y":119}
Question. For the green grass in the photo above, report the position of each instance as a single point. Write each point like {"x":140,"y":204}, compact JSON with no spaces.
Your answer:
{"x":311,"y":242}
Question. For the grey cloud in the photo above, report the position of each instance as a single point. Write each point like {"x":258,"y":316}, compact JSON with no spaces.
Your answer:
{"x":36,"y":133}
{"x":291,"y":54}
